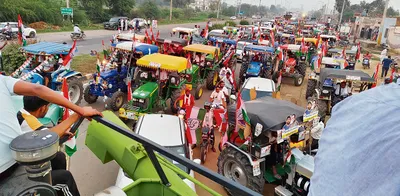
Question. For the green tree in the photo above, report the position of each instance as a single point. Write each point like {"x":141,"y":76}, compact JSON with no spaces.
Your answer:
{"x":339,"y":4}
{"x":392,"y":12}
{"x":149,"y":9}
{"x":121,"y":7}
{"x":179,"y":3}
{"x":229,"y":11}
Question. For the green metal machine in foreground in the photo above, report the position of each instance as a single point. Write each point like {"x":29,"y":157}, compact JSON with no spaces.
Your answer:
{"x":152,"y":174}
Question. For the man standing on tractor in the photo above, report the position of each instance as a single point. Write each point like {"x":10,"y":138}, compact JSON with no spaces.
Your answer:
{"x":187,"y":98}
{"x":224,"y":71}
{"x":341,"y":90}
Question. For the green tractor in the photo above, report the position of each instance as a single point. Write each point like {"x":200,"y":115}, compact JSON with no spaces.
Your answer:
{"x":160,"y":78}
{"x":206,"y":58}
{"x":251,"y":162}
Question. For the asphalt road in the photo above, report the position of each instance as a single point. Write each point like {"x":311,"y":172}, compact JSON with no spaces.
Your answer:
{"x":94,"y":37}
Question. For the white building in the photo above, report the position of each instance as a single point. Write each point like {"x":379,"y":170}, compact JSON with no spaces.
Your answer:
{"x":203,"y":5}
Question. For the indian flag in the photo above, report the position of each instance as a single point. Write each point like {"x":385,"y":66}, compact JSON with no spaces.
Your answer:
{"x":195,"y":117}
{"x":21,"y":36}
{"x":70,"y":145}
{"x":242,"y":119}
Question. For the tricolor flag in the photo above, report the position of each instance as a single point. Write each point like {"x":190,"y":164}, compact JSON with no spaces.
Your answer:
{"x":68,"y":59}
{"x":271,"y":34}
{"x":206,"y":32}
{"x":70,"y":144}
{"x":278,"y":88}
{"x":158,"y":34}
{"x":105,"y":53}
{"x":318,"y":40}
{"x":188,"y":63}
{"x":392,"y":74}
{"x":242,"y":120}
{"x":303,"y":46}
{"x":152,"y":36}
{"x":21,"y":36}
{"x":280,"y":54}
{"x":195,"y":117}
{"x":375,"y":76}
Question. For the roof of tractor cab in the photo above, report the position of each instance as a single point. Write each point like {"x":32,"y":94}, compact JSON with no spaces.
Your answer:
{"x":259,"y":48}
{"x":344,"y":74}
{"x":167,"y":131}
{"x":269,"y":112}
{"x":163,"y":61}
{"x":202,"y":48}
{"x":145,"y":49}
{"x":129,"y":37}
{"x":260,"y":84}
{"x":47,"y":48}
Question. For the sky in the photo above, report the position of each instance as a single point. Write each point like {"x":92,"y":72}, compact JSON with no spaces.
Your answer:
{"x":308,"y":5}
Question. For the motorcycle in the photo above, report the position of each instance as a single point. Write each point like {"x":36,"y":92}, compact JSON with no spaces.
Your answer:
{"x":6,"y":36}
{"x":366,"y":63}
{"x":205,"y":142}
{"x":76,"y":36}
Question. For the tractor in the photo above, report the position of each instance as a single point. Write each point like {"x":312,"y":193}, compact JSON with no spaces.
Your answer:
{"x":293,"y":65}
{"x":257,"y":62}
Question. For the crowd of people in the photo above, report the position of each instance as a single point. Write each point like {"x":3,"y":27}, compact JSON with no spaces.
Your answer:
{"x":370,"y":33}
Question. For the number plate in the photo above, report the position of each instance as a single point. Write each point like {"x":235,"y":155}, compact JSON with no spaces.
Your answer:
{"x":256,"y":168}
{"x":131,"y":115}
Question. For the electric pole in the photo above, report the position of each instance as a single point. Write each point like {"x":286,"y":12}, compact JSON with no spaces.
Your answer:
{"x":382,"y":22}
{"x":218,"y":8}
{"x":170,"y":11}
{"x":341,"y":13}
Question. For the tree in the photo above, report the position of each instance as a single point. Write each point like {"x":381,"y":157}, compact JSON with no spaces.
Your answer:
{"x":180,"y":3}
{"x":121,"y":7}
{"x":339,"y":4}
{"x":149,"y":9}
{"x":94,"y":9}
{"x":392,"y":12}
{"x":229,"y":11}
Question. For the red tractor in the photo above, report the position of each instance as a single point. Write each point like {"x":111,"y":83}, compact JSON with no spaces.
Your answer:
{"x":293,"y":64}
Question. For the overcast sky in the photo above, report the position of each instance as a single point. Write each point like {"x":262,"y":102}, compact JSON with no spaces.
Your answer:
{"x":307,"y":4}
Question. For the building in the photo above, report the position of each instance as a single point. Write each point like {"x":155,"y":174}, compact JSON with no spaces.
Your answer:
{"x":203,"y":5}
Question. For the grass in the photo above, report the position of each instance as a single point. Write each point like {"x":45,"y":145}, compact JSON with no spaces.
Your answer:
{"x":84,"y":63}
{"x":70,"y":28}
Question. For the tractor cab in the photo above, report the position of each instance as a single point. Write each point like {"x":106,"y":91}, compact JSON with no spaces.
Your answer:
{"x":258,"y":61}
{"x":185,"y":33}
{"x":285,"y":38}
{"x":207,"y":58}
{"x":331,"y":86}
{"x":173,"y":46}
{"x":110,"y":82}
{"x":330,"y":39}
{"x":293,"y":64}
{"x":349,"y":62}
{"x":161,"y":78}
{"x":311,"y":44}
{"x":267,"y":153}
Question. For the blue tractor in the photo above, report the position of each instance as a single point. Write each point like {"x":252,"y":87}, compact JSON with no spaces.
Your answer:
{"x":111,"y":83}
{"x":257,"y":62}
{"x":48,"y":54}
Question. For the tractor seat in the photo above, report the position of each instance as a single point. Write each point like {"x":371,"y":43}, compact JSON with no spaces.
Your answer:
{"x":290,"y":62}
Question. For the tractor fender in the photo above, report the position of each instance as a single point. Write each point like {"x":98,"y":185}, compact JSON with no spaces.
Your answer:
{"x":72,"y":74}
{"x":243,"y":152}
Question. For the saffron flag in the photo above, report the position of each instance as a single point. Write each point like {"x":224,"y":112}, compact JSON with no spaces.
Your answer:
{"x":375,"y":76}
{"x":195,"y":117}
{"x":271,"y":34}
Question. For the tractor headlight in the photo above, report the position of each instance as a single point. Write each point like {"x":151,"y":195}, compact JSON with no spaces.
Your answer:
{"x":303,"y":58}
{"x":110,"y":86}
{"x":134,"y":99}
{"x":141,"y":100}
{"x":144,"y":75}
{"x":173,"y":80}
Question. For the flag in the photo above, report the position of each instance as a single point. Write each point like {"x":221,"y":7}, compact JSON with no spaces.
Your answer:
{"x":158,"y":34}
{"x":303,"y":46}
{"x":206,"y":32}
{"x":221,"y":116}
{"x":392,"y":74}
{"x":129,"y":98}
{"x":146,"y":35}
{"x":280,"y":54}
{"x":152,"y":36}
{"x":119,"y":30}
{"x":242,"y":120}
{"x":358,"y":51}
{"x":318,"y":40}
{"x":21,"y":36}
{"x":68,"y":59}
{"x":105,"y":52}
{"x":344,"y":53}
{"x":70,"y":144}
{"x":195,"y":117}
{"x":134,"y":43}
{"x":279,"y":81}
{"x":271,"y":34}
{"x":375,"y":75}
{"x":188,"y":63}
{"x":252,"y":32}
{"x":98,"y":66}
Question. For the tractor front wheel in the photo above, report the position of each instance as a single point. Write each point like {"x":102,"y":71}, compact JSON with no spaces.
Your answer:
{"x":298,"y":79}
{"x":212,"y":79}
{"x":89,"y":98}
{"x":234,"y":165}
{"x":301,"y":68}
{"x":311,"y":85}
{"x":117,"y":100}
{"x":75,"y":90}
{"x":242,"y":72}
{"x":199,"y":92}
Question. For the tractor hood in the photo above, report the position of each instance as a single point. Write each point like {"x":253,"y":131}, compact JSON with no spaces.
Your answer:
{"x":111,"y":73}
{"x":254,"y":68}
{"x":146,"y":90}
{"x":269,"y":112}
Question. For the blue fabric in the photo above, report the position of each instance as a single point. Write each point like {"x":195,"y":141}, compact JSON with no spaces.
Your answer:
{"x":359,"y":150}
{"x":386,"y":62}
{"x":48,"y":48}
{"x":259,"y":48}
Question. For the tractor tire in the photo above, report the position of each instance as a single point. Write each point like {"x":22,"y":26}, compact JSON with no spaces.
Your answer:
{"x":203,"y":154}
{"x":301,"y":68}
{"x":199,"y":92}
{"x":234,"y":64}
{"x":275,"y":77}
{"x":89,"y":98}
{"x":311,"y":85}
{"x":234,"y":165}
{"x":117,"y":100}
{"x":322,"y":108}
{"x":75,"y":90}
{"x":174,"y":96}
{"x":267,"y":74}
{"x":298,"y":79}
{"x":212,"y":79}
{"x":242,"y":72}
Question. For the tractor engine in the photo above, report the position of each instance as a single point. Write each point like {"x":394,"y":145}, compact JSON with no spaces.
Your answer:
{"x":290,"y":65}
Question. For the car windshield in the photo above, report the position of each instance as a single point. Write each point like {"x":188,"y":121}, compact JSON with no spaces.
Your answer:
{"x":179,"y":150}
{"x":240,"y":46}
{"x":2,"y":25}
{"x":114,"y":20}
{"x":246,"y":94}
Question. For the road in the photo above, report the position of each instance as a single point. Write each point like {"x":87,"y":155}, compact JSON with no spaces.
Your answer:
{"x":94,"y":37}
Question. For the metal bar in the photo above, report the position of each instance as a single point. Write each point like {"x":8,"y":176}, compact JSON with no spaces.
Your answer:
{"x":189,"y":164}
{"x":157,"y":165}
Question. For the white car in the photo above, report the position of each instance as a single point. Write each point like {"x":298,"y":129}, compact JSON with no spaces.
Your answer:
{"x":233,"y":17}
{"x":264,"y":87}
{"x":28,"y":32}
{"x":168,"y":131}
{"x":142,"y":22}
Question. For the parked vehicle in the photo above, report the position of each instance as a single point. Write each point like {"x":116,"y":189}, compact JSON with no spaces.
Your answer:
{"x":142,"y":22}
{"x":172,"y":46}
{"x":28,"y":32}
{"x":264,"y":88}
{"x":114,"y":23}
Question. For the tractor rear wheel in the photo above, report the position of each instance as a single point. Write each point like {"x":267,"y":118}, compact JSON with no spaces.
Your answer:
{"x":212,"y":79}
{"x":236,"y":166}
{"x":75,"y":90}
{"x":301,"y":68}
{"x":89,"y":98}
{"x":322,"y":108}
{"x":242,"y":72}
{"x":117,"y":100}
{"x":311,"y":85}
{"x":175,"y":95}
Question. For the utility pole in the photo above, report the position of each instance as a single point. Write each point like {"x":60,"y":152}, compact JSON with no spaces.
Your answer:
{"x":341,"y":13}
{"x":382,"y":22}
{"x":170,"y":11}
{"x":67,"y":1}
{"x":240,"y":5}
{"x":218,"y":8}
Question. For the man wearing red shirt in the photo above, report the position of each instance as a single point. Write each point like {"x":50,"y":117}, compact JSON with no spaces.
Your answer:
{"x":187,"y":98}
